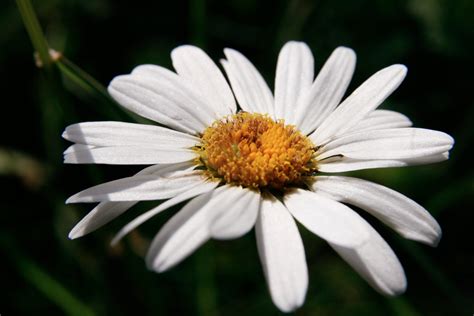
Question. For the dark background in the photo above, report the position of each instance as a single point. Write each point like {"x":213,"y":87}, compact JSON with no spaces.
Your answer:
{"x":44,"y":273}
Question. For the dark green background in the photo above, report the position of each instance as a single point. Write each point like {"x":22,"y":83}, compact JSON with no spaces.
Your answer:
{"x":44,"y":273}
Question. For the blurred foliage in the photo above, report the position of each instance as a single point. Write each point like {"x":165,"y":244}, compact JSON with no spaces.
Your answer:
{"x":47,"y":274}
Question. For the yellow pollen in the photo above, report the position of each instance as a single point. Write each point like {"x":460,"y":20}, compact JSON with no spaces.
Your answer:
{"x":252,"y":150}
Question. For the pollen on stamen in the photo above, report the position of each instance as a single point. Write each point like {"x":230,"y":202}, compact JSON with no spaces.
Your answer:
{"x":253,"y":150}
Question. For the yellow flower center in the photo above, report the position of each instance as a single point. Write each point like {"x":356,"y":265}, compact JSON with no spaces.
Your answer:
{"x":253,"y":150}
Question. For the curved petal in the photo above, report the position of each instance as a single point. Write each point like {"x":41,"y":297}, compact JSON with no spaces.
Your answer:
{"x":376,"y":262}
{"x":192,"y":226}
{"x":381,"y":119}
{"x":192,"y":192}
{"x":140,"y":188}
{"x":239,"y":218}
{"x":78,"y":147}
{"x":360,"y":103}
{"x":193,"y":63}
{"x":344,"y":164}
{"x":107,"y":211}
{"x":105,"y":134}
{"x":282,"y":255}
{"x":127,"y":155}
{"x":98,"y":217}
{"x":250,"y":89}
{"x":391,"y":144}
{"x":181,"y":235}
{"x":402,"y":214}
{"x":161,"y":95}
{"x":326,"y":218}
{"x":327,"y":90}
{"x":294,"y":75}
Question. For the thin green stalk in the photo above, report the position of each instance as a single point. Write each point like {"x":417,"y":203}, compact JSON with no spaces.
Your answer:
{"x":69,"y":70}
{"x":94,"y":88}
{"x":35,"y":32}
{"x":82,"y":78}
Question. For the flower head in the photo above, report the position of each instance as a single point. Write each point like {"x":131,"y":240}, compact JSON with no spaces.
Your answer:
{"x":262,"y":164}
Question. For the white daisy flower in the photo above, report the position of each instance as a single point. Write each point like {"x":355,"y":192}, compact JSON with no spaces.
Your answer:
{"x":262,"y":163}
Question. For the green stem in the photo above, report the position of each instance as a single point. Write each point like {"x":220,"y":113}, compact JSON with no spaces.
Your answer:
{"x":35,"y":32}
{"x":82,"y":78}
{"x":94,"y":88}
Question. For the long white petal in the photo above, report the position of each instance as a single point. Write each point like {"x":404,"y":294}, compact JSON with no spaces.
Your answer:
{"x":345,"y":164}
{"x":326,"y":218}
{"x":376,"y":262}
{"x":98,"y":217}
{"x":282,"y":255}
{"x":105,"y":134}
{"x":402,"y":214}
{"x":140,"y":188}
{"x":239,"y":217}
{"x":392,"y":144}
{"x":192,"y":192}
{"x":159,"y":154}
{"x":362,"y":101}
{"x":181,"y":235}
{"x":381,"y":119}
{"x":327,"y":90}
{"x":193,"y":64}
{"x":294,"y":75}
{"x":249,"y":87}
{"x":107,"y":211}
{"x":78,"y":147}
{"x":161,"y":95}
{"x":191,"y":226}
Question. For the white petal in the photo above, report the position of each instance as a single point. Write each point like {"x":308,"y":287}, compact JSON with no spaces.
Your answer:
{"x":191,"y":226}
{"x":104,"y":134}
{"x":239,"y":217}
{"x":140,"y":188}
{"x":192,"y":192}
{"x":78,"y":147}
{"x":392,"y":144}
{"x":326,"y":218}
{"x":181,"y":235}
{"x":99,"y":216}
{"x":193,"y":64}
{"x":381,"y":119}
{"x":78,"y":154}
{"x":362,"y":101}
{"x":327,"y":90}
{"x":294,"y":75}
{"x":107,"y":211}
{"x":345,"y":164}
{"x":282,"y":255}
{"x":348,"y":164}
{"x":402,"y":214}
{"x":249,"y":87}
{"x":376,"y":262}
{"x":161,"y":95}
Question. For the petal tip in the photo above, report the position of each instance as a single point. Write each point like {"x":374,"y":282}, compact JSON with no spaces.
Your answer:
{"x":72,"y":199}
{"x":400,"y":68}
{"x":75,"y":233}
{"x":346,"y":50}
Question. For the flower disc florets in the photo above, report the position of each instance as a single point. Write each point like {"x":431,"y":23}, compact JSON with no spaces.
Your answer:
{"x":253,"y":150}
